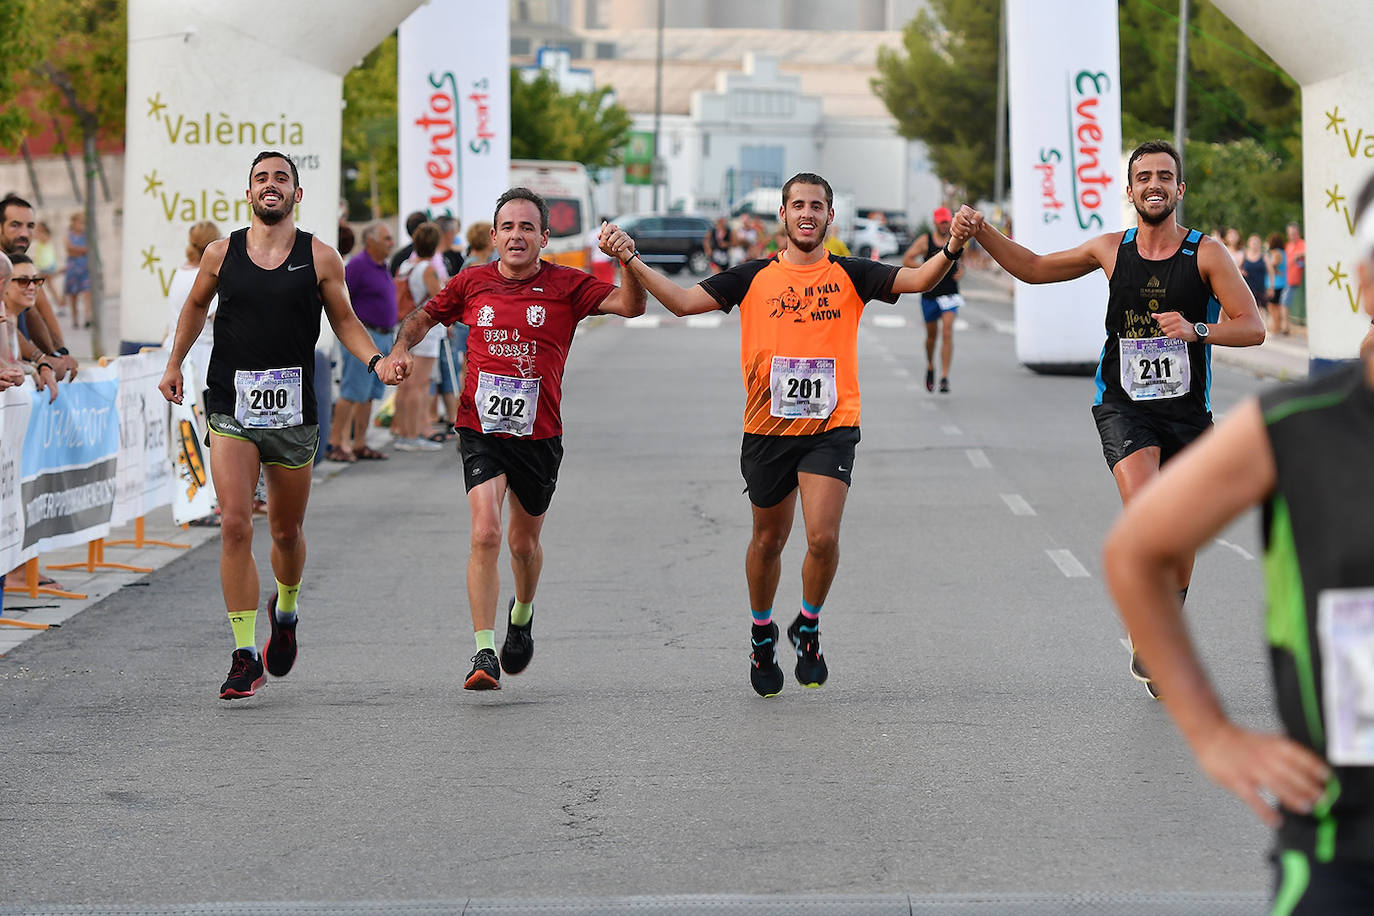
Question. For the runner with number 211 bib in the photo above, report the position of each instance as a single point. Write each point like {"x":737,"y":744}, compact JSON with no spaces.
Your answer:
{"x":1168,"y":287}
{"x":799,"y":329}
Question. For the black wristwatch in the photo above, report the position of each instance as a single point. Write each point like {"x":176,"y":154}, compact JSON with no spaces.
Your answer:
{"x":372,"y":364}
{"x":1201,"y":330}
{"x":952,"y":255}
{"x":61,"y":351}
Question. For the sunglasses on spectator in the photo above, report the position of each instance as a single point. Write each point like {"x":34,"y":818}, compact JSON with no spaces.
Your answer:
{"x":29,"y":281}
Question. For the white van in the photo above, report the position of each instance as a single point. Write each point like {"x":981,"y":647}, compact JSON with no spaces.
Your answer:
{"x":567,"y":188}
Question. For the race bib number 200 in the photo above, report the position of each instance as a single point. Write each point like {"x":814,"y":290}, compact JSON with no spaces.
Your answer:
{"x":802,"y":389}
{"x":1154,"y":368}
{"x":506,"y":404}
{"x":268,"y":398}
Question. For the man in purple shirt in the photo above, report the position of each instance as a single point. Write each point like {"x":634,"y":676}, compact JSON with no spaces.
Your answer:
{"x":373,"y":293}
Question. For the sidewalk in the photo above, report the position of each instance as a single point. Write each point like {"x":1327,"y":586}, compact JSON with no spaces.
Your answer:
{"x":1280,"y":357}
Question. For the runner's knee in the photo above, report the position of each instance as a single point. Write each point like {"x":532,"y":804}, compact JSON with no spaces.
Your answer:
{"x":486,"y":536}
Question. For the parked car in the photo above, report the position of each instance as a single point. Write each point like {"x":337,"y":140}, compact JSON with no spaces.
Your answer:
{"x":672,"y":241}
{"x":872,"y":238}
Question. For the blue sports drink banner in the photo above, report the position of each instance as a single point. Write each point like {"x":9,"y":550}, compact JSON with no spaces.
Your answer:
{"x":67,"y":462}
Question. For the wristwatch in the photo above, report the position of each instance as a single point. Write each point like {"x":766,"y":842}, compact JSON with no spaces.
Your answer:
{"x":1201,"y":330}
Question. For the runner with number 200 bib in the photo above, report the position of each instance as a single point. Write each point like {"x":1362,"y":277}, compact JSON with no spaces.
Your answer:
{"x":1168,"y":287}
{"x":522,"y":312}
{"x":799,"y":328}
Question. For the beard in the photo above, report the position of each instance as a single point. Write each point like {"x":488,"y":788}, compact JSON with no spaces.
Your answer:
{"x":14,"y":246}
{"x":809,"y":245}
{"x":269,"y":216}
{"x":1149,"y":220}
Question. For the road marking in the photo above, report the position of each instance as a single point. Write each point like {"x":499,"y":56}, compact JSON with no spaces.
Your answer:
{"x":1003,"y":327}
{"x":888,"y":357}
{"x":889,"y":321}
{"x":949,"y":429}
{"x":1017,"y":505}
{"x":1068,"y":564}
{"x":644,"y":321}
{"x":903,"y":373}
{"x":709,"y":320}
{"x":929,"y":405}
{"x":960,"y":324}
{"x":977,"y":458}
{"x":1245,"y":554}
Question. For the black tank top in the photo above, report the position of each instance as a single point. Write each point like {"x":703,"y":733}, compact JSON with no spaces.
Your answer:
{"x":947,"y":286}
{"x":1318,"y":528}
{"x":267,"y":319}
{"x":1255,"y":274}
{"x":1138,"y":290}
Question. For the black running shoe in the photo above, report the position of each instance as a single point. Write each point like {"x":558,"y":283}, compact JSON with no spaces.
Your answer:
{"x":279,"y":653}
{"x":930,"y":380}
{"x":245,"y":676}
{"x":1140,"y":674}
{"x":485,"y":673}
{"x":518,"y":648}
{"x":764,"y":673}
{"x":944,"y":386}
{"x":806,"y":639}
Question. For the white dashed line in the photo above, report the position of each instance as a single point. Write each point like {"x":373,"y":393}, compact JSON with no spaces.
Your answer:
{"x":1245,"y":554}
{"x":929,"y":405}
{"x":949,"y":429}
{"x":709,"y":320}
{"x":1068,"y":564}
{"x":644,"y":321}
{"x":889,"y":321}
{"x":903,"y":373}
{"x":977,"y":458}
{"x":1017,"y":505}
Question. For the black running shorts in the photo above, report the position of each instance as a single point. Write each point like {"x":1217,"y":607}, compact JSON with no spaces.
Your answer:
{"x":770,"y":463}
{"x":1127,"y":428}
{"x":530,"y":465}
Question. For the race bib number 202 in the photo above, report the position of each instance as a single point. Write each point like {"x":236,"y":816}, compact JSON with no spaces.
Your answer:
{"x":506,"y":404}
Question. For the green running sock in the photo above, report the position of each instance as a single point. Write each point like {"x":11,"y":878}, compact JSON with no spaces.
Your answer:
{"x":520,"y":612}
{"x":486,"y":639}
{"x":286,"y":598}
{"x":244,"y":624}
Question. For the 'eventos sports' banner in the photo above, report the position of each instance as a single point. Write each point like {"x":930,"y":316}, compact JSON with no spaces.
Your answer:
{"x":1065,"y":95}
{"x":453,"y":108}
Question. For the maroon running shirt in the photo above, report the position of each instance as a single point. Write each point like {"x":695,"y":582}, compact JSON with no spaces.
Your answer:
{"x":518,"y":343}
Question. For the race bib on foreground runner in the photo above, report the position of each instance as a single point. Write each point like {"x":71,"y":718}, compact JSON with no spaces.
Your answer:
{"x":802,"y":388}
{"x":1153,"y":368}
{"x":1345,"y":634}
{"x":506,"y":404}
{"x":268,"y":398}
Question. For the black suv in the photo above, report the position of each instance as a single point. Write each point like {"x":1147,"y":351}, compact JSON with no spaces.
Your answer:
{"x":671,"y":241}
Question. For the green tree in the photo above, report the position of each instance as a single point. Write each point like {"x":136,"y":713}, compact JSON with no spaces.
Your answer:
{"x":547,"y":123}
{"x":942,"y":88}
{"x":81,"y":75}
{"x":369,"y":128}
{"x":16,"y":24}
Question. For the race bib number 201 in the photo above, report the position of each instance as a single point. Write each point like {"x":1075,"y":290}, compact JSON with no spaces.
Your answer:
{"x":268,"y":398}
{"x":802,"y":388}
{"x":1154,"y":368}
{"x":506,"y":404}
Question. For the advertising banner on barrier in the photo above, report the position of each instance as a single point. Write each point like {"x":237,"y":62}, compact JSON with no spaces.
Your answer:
{"x":15,"y":405}
{"x":1065,"y":104}
{"x":193,"y":492}
{"x":453,"y":108}
{"x":67,"y":463}
{"x":144,"y":476}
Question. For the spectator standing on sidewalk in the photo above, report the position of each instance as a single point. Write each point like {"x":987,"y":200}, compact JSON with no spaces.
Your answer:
{"x":373,"y":294}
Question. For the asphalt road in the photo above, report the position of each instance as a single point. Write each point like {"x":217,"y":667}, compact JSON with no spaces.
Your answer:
{"x":979,"y":738}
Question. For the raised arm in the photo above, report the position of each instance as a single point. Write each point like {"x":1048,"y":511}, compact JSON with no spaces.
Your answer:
{"x":627,"y":299}
{"x":192,"y":318}
{"x":690,"y":301}
{"x":1223,"y":474}
{"x":1029,"y":267}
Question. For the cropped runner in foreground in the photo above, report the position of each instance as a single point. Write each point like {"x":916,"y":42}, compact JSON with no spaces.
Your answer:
{"x":1300,"y":452}
{"x":522,"y":312}
{"x":1169,"y":286}
{"x":272,"y":280}
{"x":799,"y":329}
